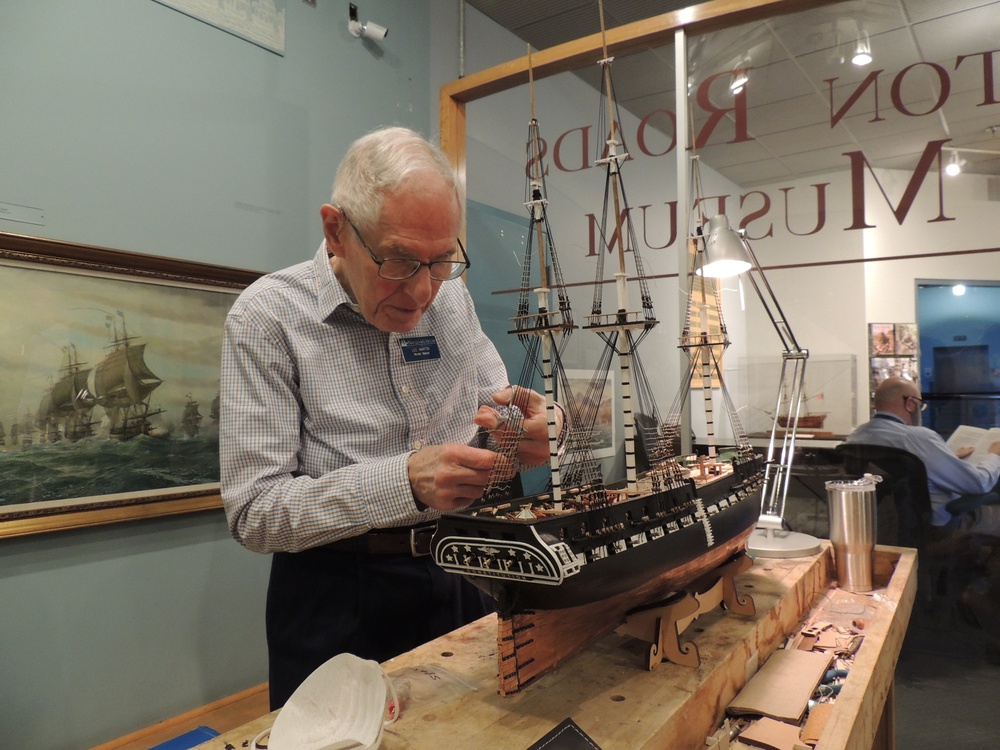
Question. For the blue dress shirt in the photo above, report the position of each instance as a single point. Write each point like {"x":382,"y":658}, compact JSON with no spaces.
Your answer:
{"x":948,"y":476}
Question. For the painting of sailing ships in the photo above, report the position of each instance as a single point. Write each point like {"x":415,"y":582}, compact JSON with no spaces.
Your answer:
{"x":104,"y":376}
{"x":566,"y":564}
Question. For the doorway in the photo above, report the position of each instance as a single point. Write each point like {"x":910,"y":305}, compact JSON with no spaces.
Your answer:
{"x":959,"y":327}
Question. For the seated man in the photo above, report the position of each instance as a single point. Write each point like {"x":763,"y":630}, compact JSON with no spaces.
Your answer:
{"x":897,"y":423}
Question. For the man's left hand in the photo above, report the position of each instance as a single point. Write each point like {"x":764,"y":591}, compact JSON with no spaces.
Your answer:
{"x":533,"y":448}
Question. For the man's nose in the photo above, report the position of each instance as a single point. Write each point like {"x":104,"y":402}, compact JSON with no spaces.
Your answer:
{"x":420,"y":285}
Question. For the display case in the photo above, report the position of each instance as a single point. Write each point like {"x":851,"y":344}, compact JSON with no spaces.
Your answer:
{"x":829,"y":395}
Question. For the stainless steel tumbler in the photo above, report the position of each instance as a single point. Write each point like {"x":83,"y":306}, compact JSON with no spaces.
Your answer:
{"x":853,"y":530}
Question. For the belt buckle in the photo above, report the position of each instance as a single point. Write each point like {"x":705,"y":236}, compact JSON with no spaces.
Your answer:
{"x":413,"y":543}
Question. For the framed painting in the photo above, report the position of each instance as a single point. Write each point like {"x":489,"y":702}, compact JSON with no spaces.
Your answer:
{"x":603,"y":439}
{"x":907,"y":340}
{"x":109,"y":394}
{"x":881,"y":339}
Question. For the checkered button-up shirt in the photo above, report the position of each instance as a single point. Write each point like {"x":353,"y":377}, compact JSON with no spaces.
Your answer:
{"x":320,"y":410}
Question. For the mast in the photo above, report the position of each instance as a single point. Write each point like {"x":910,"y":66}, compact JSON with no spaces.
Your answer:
{"x":623,"y":329}
{"x":701,"y":339}
{"x":537,"y":209}
{"x":544,"y":331}
{"x":704,"y":337}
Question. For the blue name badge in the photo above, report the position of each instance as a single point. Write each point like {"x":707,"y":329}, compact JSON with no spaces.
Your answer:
{"x":420,"y":349}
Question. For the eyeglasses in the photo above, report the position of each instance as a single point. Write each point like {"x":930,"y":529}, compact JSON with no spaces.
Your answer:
{"x":923,"y":405}
{"x":399,"y":269}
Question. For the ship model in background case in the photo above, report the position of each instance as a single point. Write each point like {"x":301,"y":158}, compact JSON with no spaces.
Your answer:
{"x":568,"y":565}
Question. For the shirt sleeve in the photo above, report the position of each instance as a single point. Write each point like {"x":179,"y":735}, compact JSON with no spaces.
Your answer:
{"x":946,"y":472}
{"x":270,"y":505}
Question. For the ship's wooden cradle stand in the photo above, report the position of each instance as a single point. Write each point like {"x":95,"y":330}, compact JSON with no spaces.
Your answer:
{"x":531,"y":643}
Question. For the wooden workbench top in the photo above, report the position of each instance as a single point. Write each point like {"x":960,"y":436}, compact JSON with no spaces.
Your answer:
{"x":449,"y":686}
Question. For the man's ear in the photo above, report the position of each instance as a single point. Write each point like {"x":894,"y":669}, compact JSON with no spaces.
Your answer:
{"x":333,"y":228}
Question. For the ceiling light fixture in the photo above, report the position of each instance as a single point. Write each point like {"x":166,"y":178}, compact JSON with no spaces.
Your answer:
{"x":741,"y":74}
{"x":954,"y":167}
{"x":862,"y":50}
{"x":958,"y":290}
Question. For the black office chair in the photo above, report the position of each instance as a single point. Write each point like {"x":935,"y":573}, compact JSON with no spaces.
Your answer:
{"x":944,"y":556}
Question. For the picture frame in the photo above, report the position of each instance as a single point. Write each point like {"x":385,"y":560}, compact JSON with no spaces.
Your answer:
{"x":604,"y":437}
{"x":907,"y":340}
{"x":103,"y":431}
{"x":893,"y":367}
{"x":881,"y":339}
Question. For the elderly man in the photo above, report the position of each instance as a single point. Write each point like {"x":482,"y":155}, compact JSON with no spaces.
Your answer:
{"x":358,"y":390}
{"x":897,"y":423}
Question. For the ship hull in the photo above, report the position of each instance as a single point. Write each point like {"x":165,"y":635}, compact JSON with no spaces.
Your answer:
{"x":804,"y":421}
{"x":642,"y":547}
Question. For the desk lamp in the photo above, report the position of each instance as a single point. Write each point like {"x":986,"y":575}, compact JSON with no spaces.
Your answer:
{"x":727,"y":253}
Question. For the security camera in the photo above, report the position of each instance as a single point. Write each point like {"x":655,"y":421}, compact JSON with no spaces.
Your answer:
{"x":368,"y":30}
{"x":374,"y":31}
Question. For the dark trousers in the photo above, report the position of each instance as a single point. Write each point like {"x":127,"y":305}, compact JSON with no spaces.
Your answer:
{"x":323,"y":602}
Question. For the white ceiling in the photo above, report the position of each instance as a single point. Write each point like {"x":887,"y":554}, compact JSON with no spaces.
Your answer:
{"x":792,"y":57}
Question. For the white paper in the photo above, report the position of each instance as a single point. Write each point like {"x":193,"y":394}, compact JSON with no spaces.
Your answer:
{"x":967,"y":436}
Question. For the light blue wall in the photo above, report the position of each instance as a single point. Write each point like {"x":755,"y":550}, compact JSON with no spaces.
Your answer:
{"x":111,"y":629}
{"x":138,"y":128}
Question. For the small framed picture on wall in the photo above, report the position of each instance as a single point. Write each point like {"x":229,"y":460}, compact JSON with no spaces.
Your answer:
{"x":881,"y":339}
{"x":907,"y":342}
{"x":893,"y":367}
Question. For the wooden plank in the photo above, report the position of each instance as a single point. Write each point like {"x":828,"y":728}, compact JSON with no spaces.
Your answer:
{"x":621,"y":40}
{"x":609,"y":693}
{"x":223,"y":715}
{"x":859,"y":709}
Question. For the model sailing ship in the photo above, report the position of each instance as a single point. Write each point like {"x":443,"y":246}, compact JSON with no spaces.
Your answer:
{"x":581,"y":555}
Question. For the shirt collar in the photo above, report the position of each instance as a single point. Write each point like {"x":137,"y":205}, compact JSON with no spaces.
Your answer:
{"x":329,"y":290}
{"x":888,"y":415}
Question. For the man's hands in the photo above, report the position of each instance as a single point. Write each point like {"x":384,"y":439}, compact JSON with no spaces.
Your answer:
{"x":452,"y":476}
{"x":533,"y":449}
{"x":993,"y":447}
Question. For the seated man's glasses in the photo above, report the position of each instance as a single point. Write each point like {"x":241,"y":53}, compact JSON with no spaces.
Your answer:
{"x":399,"y":269}
{"x":923,"y":405}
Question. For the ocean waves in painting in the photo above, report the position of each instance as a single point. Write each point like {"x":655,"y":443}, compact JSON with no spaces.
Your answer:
{"x":95,"y":467}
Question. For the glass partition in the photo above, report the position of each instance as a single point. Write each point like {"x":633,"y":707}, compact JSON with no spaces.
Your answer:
{"x":835,"y":170}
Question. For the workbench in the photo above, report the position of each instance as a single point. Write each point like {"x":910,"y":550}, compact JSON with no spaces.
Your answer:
{"x":449,"y":685}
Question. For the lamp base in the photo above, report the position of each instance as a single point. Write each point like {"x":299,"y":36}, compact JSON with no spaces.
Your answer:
{"x":766,"y":542}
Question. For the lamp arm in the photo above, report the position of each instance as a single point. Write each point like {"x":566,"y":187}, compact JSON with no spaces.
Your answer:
{"x":788,"y":402}
{"x":776,"y":315}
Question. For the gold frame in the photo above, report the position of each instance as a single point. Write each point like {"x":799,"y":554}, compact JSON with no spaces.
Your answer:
{"x":27,"y":251}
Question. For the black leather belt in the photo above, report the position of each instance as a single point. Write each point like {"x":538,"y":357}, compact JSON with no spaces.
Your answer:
{"x":413,"y":542}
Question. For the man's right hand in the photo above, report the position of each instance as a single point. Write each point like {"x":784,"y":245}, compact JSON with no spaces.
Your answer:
{"x":451,"y":476}
{"x":994,"y":447}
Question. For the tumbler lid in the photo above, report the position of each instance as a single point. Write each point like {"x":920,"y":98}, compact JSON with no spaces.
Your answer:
{"x":868,"y":481}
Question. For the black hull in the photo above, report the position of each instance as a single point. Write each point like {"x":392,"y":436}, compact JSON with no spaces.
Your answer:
{"x":590,"y":556}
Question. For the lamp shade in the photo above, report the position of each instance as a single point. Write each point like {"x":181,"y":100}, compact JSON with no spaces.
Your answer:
{"x":725,"y":254}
